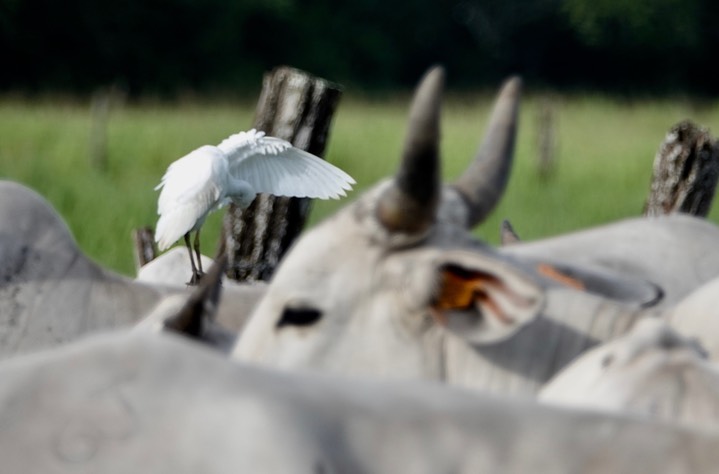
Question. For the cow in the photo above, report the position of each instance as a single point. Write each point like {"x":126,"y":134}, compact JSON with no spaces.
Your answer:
{"x":128,"y":401}
{"x":395,"y":285}
{"x":652,"y":371}
{"x":51,"y":293}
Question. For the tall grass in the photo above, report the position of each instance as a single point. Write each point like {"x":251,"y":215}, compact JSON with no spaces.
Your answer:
{"x":604,"y":155}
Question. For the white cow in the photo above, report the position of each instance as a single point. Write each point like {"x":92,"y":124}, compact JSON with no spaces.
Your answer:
{"x":652,"y":371}
{"x":131,"y":402}
{"x":394,"y":284}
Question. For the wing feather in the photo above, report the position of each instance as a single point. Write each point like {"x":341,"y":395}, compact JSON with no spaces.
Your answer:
{"x":290,"y":172}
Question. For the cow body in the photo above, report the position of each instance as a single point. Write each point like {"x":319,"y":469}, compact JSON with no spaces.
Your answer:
{"x":50,"y":293}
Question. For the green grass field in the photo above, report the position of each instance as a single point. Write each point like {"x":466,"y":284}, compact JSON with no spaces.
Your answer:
{"x":604,"y":154}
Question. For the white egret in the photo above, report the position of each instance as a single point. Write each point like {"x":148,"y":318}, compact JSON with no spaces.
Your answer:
{"x":243,"y":165}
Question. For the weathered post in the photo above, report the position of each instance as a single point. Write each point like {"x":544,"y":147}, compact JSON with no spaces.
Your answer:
{"x":103,"y":100}
{"x":99,"y":115}
{"x":546,"y":137}
{"x":685,"y":172}
{"x":145,"y":248}
{"x":297,"y":107}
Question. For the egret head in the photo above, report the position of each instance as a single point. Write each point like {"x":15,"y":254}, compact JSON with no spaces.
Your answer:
{"x":242,"y":194}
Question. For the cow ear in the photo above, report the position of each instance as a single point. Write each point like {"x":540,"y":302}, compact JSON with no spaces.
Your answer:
{"x":482,"y":298}
{"x":605,"y":283}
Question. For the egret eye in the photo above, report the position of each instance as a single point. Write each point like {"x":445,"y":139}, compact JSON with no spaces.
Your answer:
{"x":299,"y":317}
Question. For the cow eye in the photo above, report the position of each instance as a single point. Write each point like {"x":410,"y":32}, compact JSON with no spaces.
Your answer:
{"x":299,"y":317}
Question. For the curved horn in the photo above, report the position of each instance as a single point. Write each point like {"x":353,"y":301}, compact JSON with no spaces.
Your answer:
{"x":410,"y":204}
{"x":483,"y":183}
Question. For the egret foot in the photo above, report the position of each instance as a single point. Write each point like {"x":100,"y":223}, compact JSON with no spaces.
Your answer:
{"x":196,"y":277}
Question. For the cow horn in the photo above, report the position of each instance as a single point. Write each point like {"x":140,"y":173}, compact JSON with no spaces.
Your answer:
{"x":202,"y":303}
{"x":483,"y":183}
{"x":410,"y":205}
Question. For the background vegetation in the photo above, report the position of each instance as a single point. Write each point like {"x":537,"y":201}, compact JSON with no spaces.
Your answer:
{"x":619,"y":73}
{"x":171,"y":47}
{"x":603,"y":159}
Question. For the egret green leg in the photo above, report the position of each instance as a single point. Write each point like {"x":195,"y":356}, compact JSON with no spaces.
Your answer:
{"x":195,"y":275}
{"x":197,"y":252}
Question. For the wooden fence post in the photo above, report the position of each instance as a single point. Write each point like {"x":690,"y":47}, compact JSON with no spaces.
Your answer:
{"x":144,"y":246}
{"x":297,"y":107}
{"x":685,"y":172}
{"x":546,"y":137}
{"x":99,"y":116}
{"x":103,"y":100}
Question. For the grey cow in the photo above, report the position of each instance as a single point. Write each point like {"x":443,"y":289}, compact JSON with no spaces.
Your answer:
{"x":132,"y":402}
{"x":394,"y":284}
{"x":51,"y":293}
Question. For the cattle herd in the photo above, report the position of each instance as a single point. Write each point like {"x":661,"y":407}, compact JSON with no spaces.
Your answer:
{"x":388,"y":340}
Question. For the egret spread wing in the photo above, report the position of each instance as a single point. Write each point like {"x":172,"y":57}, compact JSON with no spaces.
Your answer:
{"x":294,"y":172}
{"x":272,"y":165}
{"x":191,"y":188}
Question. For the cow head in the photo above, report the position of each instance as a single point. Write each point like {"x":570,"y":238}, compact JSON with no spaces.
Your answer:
{"x":394,"y":273}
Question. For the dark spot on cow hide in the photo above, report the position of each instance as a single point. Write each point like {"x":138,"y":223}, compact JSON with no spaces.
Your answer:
{"x":14,"y":266}
{"x":299,"y":317}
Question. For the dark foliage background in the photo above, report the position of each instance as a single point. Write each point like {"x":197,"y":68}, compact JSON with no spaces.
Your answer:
{"x":168,"y":47}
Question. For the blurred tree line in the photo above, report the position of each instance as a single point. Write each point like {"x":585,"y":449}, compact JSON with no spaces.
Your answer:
{"x":170,"y":46}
